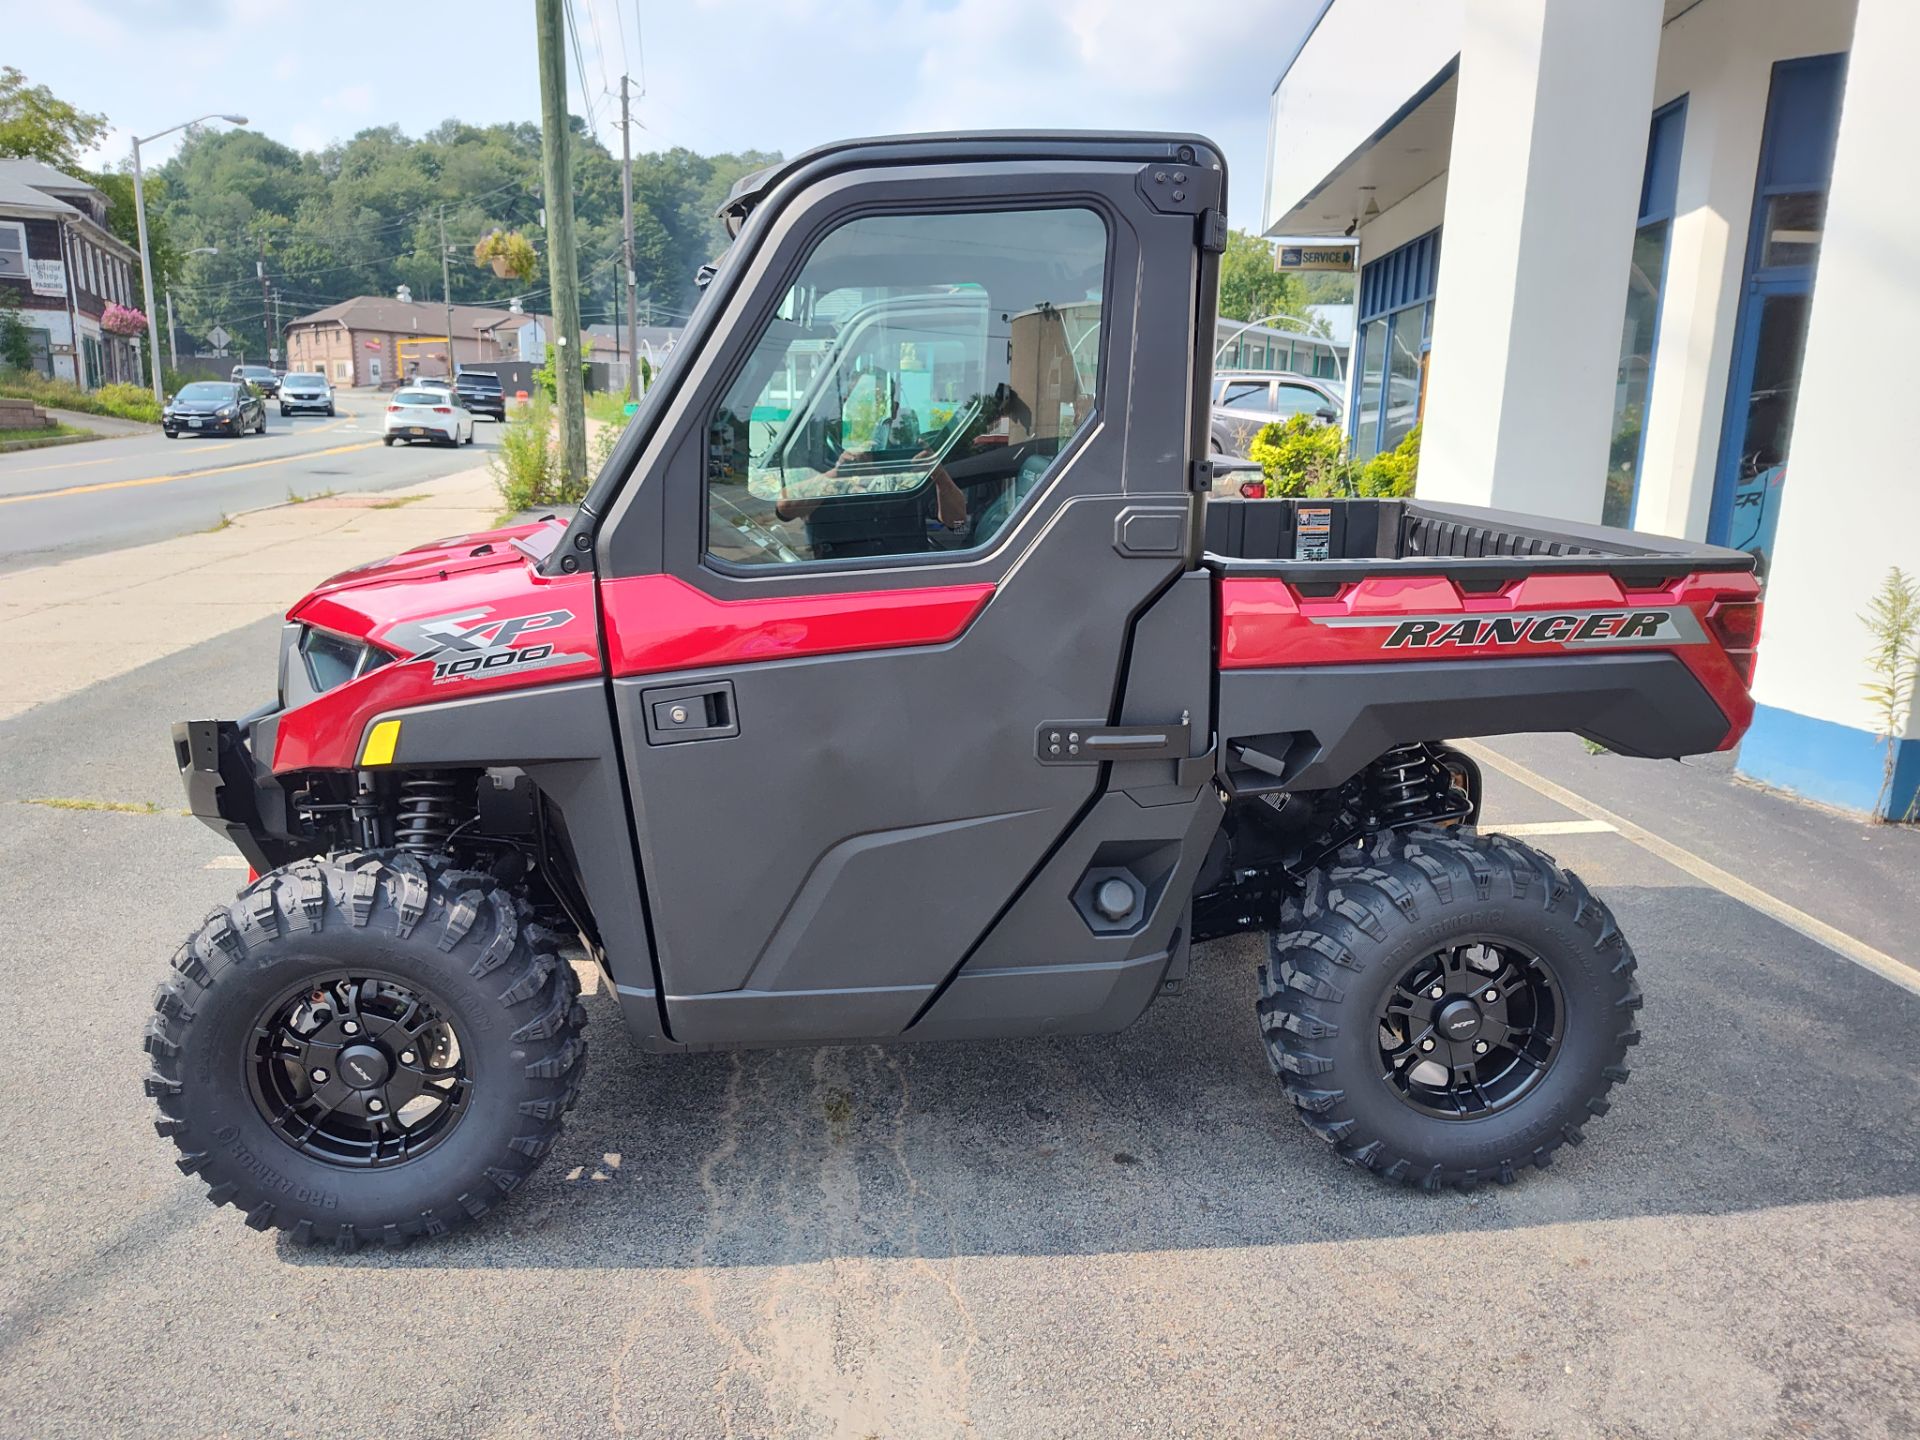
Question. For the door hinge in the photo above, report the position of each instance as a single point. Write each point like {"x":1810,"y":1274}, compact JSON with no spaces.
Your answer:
{"x":1213,"y":231}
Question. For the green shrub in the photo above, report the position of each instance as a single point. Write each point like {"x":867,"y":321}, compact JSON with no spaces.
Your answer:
{"x":1390,"y":474}
{"x":526,"y":467}
{"x":546,"y":378}
{"x":1303,"y":458}
{"x":129,"y":402}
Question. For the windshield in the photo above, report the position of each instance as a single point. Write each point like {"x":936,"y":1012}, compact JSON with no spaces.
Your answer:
{"x":255,"y":372}
{"x":206,"y":390}
{"x":306,"y":379}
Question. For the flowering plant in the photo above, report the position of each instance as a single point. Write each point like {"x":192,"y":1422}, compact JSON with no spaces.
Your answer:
{"x":123,"y":320}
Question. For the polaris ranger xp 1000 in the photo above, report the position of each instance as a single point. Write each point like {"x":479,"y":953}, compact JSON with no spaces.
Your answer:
{"x":898,"y":680}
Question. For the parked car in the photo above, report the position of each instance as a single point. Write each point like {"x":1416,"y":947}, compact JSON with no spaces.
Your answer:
{"x":427,"y":412}
{"x":305,"y":391}
{"x":1244,"y":401}
{"x":210,"y":407}
{"x":998,"y":785}
{"x":268,"y":380}
{"x":482,"y":393}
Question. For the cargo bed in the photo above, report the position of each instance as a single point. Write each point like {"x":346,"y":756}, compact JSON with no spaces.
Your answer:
{"x":1317,"y":542}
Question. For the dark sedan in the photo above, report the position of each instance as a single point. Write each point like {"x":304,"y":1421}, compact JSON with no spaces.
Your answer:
{"x":214,"y":407}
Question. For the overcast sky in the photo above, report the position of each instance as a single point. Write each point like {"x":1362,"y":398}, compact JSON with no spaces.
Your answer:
{"x":720,"y":74}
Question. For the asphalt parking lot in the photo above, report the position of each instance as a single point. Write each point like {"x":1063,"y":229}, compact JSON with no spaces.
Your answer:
{"x":1116,"y":1236}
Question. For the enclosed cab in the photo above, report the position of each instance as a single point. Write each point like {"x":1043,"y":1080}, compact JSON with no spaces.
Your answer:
{"x":898,"y":681}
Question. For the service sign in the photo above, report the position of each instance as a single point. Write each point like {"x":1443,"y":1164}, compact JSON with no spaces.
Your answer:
{"x":48,"y":277}
{"x":1313,"y":257}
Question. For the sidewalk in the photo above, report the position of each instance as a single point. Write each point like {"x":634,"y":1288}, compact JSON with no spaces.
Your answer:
{"x":101,"y":424}
{"x":1850,"y":886}
{"x":103,"y":615}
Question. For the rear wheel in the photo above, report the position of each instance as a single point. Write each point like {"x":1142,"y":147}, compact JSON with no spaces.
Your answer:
{"x":1450,"y":1008}
{"x":366,"y":1046}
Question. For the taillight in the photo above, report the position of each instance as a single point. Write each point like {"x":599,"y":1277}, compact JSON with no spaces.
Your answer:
{"x":393,"y":409}
{"x":1253,"y":489}
{"x":443,"y":409}
{"x":1736,"y":625}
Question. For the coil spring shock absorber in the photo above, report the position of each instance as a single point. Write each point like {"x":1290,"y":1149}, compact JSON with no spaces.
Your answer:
{"x":1404,"y":782}
{"x":430,"y":808}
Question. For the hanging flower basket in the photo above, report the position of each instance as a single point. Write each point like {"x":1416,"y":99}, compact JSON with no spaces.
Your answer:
{"x":509,"y":254}
{"x":123,"y":320}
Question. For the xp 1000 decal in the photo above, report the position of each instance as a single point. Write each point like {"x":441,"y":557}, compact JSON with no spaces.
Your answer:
{"x":476,"y":642}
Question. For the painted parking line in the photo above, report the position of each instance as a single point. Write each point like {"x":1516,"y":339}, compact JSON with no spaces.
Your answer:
{"x":185,"y":474}
{"x":1732,"y":886}
{"x":1558,"y":827}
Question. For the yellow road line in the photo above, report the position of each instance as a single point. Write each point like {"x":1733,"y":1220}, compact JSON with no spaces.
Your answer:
{"x":185,"y":474}
{"x":1732,"y":886}
{"x":69,"y":465}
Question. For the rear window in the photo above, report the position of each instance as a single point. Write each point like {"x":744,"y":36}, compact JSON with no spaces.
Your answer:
{"x":481,"y":382}
{"x":420,"y":397}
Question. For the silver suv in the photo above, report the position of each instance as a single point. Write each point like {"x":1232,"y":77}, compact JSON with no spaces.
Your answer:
{"x":1245,"y":400}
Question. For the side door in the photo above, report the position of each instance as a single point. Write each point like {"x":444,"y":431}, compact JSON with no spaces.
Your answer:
{"x":893,"y":528}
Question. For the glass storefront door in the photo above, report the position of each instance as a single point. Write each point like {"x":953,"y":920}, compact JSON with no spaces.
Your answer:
{"x":1783,"y":253}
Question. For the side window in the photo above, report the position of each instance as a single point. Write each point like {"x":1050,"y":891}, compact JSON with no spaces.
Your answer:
{"x":1302,"y":400}
{"x":915,"y":386}
{"x":1247,"y":395}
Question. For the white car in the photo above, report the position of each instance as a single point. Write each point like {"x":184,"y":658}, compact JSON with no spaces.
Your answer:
{"x":427,"y":414}
{"x":303,"y":390}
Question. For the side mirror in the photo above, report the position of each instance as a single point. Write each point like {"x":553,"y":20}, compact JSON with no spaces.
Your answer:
{"x":1327,"y":413}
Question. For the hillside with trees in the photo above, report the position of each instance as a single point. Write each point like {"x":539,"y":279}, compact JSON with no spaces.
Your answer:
{"x":364,"y":217}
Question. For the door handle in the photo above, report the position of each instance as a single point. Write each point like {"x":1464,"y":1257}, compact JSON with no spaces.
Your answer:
{"x":675,"y":714}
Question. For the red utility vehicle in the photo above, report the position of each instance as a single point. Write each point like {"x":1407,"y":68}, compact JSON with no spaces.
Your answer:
{"x":898,"y":680}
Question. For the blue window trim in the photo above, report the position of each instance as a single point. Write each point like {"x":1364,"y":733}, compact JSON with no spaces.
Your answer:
{"x":1659,"y":193}
{"x":1758,"y":281}
{"x":1399,"y":280}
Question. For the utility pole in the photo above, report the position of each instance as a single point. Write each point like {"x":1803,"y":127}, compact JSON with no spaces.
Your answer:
{"x":173,"y":335}
{"x":446,"y":288}
{"x":626,"y":198}
{"x":560,"y":252}
{"x":266,"y":300}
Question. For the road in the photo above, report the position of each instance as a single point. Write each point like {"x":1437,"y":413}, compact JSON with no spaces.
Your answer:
{"x":1127,"y":1235}
{"x":76,"y":499}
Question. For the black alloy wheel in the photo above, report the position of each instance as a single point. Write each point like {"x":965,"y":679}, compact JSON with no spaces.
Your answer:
{"x":359,"y":1070}
{"x":1470,"y":1029}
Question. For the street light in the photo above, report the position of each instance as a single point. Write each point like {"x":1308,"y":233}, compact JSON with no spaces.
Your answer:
{"x":146,"y":262}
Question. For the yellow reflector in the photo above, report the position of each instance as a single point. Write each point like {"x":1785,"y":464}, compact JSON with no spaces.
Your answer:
{"x":380,"y":742}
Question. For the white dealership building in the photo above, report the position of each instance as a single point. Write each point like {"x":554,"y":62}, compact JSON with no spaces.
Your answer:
{"x":1622,"y":261}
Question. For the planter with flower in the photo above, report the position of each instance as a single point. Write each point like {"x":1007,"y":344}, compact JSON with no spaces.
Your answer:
{"x":123,"y":320}
{"x":510,"y":254}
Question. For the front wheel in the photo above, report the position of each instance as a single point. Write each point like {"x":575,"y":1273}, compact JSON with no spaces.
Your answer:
{"x":387,"y":440}
{"x":366,"y":1046}
{"x":1450,"y":1009}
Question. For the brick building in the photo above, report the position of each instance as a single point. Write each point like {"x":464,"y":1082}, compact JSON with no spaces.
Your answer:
{"x":61,"y":266}
{"x":373,"y":340}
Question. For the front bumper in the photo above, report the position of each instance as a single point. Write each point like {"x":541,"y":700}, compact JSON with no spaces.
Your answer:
{"x":305,"y":402}
{"x":232,"y":793}
{"x":208,"y":424}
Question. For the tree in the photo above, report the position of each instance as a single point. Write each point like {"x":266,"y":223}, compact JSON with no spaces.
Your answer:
{"x":16,"y":349}
{"x":35,"y":124}
{"x":1250,"y":288}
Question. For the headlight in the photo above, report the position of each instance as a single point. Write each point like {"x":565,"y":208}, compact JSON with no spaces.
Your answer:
{"x":223,"y":412}
{"x":332,"y":660}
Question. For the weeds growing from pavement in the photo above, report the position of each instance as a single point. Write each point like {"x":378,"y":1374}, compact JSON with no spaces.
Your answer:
{"x":118,"y":807}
